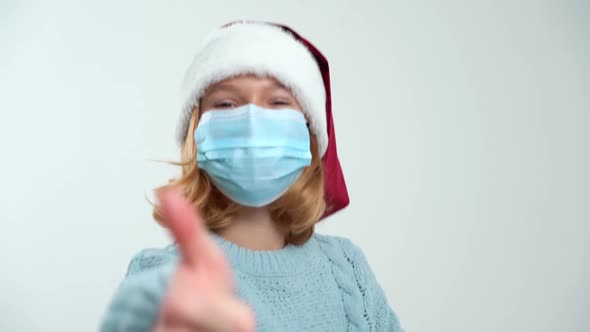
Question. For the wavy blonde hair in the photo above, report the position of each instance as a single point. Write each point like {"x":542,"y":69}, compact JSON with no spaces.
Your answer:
{"x":297,"y":210}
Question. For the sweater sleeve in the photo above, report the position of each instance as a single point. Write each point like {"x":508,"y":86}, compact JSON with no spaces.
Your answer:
{"x":135,"y":305}
{"x":379,"y":313}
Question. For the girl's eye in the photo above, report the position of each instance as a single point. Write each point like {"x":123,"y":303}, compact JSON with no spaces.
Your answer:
{"x":281,"y":102}
{"x":225,"y":104}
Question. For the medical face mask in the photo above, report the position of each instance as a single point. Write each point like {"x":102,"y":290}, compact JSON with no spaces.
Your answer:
{"x":253,"y":154}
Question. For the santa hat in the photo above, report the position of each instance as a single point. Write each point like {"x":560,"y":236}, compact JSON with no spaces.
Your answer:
{"x":270,"y":49}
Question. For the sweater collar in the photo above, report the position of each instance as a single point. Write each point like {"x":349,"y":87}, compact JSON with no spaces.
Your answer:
{"x":290,"y":260}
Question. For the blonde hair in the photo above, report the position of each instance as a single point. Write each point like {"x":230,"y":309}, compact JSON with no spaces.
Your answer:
{"x":297,"y":210}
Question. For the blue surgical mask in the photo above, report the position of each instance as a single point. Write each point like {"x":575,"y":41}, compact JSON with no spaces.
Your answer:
{"x":253,"y":154}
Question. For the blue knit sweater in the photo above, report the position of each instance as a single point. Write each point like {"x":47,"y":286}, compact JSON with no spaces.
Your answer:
{"x":323,"y":285}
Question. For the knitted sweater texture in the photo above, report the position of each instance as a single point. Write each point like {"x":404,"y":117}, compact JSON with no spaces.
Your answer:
{"x":323,"y":285}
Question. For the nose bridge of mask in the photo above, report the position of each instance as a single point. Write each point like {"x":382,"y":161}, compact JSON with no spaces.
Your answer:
{"x":254,"y":127}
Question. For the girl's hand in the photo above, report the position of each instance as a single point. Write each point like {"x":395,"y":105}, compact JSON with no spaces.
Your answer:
{"x":200,"y":295}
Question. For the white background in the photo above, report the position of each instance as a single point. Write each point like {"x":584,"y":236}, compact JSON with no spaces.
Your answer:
{"x":463,"y":129}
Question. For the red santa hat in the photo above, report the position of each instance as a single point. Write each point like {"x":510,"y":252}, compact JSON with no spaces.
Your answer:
{"x":270,"y":49}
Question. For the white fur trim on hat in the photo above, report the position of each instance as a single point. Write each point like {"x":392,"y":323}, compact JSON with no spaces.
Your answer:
{"x":261,"y":49}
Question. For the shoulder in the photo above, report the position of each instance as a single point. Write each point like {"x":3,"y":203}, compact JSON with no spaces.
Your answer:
{"x":343,"y":251}
{"x":342,"y":244}
{"x":356,"y":273}
{"x":151,"y":258}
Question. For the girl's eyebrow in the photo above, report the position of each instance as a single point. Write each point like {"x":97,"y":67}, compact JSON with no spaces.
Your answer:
{"x":278,"y":85}
{"x":220,"y":87}
{"x":229,"y":87}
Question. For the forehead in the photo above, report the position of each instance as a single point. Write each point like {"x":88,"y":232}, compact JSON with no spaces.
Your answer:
{"x":247,"y":81}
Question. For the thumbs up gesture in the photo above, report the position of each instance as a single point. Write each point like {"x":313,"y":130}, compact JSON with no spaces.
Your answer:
{"x":200,"y":294}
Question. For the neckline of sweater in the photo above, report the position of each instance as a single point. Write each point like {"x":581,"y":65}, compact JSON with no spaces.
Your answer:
{"x":290,"y":260}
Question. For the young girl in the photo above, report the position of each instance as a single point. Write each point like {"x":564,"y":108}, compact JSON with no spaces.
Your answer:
{"x":259,"y":169}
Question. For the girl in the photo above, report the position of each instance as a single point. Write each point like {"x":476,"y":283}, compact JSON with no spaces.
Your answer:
{"x":259,"y":169}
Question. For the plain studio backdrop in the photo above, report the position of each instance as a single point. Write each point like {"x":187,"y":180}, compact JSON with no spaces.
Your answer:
{"x":463,"y":130}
